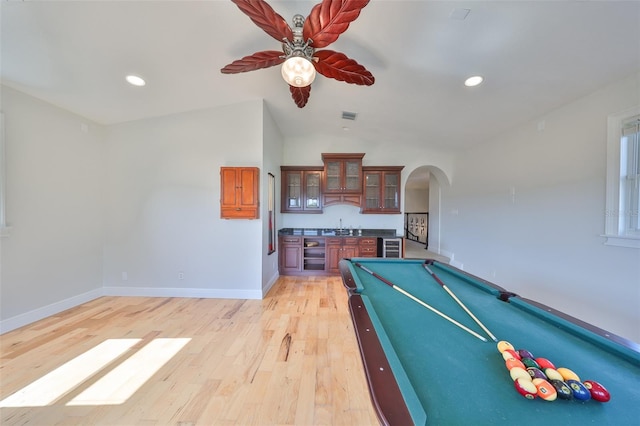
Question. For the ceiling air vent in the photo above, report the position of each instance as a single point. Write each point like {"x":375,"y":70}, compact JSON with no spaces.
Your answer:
{"x":346,"y":115}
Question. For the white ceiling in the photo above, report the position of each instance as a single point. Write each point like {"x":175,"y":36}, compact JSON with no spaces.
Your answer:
{"x":535,"y":56}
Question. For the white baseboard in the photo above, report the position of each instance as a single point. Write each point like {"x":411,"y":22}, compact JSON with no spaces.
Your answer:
{"x":457,"y":264}
{"x":205,"y":293}
{"x":446,"y":253}
{"x":270,"y":284}
{"x":18,"y":321}
{"x":46,"y":311}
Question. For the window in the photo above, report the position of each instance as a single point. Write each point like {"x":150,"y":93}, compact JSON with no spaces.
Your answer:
{"x":622,"y":223}
{"x":630,"y":177}
{"x":4,"y":229}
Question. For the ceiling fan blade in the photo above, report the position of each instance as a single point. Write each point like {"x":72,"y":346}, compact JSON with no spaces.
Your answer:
{"x":258,"y":60}
{"x":300,"y":95}
{"x":266,"y":18}
{"x":329,"y":19}
{"x":336,"y":65}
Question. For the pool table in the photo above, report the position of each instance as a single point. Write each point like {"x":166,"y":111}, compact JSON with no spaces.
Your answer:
{"x":422,"y":369}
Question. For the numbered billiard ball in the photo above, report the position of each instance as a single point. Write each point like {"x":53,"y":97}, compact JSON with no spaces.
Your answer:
{"x":546,"y":390}
{"x":598,"y":392}
{"x":526,"y":388}
{"x":580,"y":392}
{"x":563,"y":390}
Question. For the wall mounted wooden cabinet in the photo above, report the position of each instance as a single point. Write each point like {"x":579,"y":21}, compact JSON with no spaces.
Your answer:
{"x":239,"y":196}
{"x":301,"y":189}
{"x":381,"y":190}
{"x":342,"y":183}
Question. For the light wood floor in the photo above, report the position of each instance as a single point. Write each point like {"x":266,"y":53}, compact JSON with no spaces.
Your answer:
{"x":290,"y":359}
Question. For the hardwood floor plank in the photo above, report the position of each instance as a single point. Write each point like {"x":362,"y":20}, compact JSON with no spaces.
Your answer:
{"x":289,"y":359}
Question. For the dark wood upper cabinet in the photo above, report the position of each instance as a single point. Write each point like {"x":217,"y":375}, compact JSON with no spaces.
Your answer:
{"x":381,"y":189}
{"x":301,"y":189}
{"x":342,"y":182}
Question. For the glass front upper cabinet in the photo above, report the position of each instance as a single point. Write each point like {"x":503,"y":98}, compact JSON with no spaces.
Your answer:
{"x":381,"y":189}
{"x":343,"y":173}
{"x":301,"y":189}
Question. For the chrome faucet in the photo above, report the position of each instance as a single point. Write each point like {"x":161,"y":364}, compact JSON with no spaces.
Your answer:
{"x":340,"y":225}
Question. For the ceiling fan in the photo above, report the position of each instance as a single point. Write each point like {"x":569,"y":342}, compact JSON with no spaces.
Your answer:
{"x":299,"y":56}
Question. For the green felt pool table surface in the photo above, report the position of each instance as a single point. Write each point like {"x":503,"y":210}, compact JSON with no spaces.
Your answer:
{"x":447,"y":376}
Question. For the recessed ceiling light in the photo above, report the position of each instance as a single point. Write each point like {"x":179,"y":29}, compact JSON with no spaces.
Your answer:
{"x":473,"y":81}
{"x":135,"y":80}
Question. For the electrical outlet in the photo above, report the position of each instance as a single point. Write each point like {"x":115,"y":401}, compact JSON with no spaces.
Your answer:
{"x":181,"y":275}
{"x":125,"y":276}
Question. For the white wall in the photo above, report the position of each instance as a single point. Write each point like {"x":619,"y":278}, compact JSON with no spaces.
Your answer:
{"x":54,"y":193}
{"x":526,"y":211}
{"x":416,"y":200}
{"x":163,"y":205}
{"x":435,"y":213}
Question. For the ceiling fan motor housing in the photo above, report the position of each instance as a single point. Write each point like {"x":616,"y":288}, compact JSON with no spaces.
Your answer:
{"x":297,"y":46}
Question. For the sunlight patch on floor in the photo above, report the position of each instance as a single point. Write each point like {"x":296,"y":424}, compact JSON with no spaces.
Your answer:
{"x":124,"y":380}
{"x":52,"y":386}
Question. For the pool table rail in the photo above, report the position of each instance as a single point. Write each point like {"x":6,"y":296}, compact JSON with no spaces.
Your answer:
{"x":386,"y":396}
{"x":625,"y":348}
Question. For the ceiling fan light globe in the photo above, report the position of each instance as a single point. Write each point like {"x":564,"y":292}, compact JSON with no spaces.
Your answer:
{"x":298,"y":71}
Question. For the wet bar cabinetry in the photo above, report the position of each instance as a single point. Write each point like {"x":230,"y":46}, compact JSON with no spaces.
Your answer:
{"x":314,"y":255}
{"x":368,"y":247}
{"x":342,"y":181}
{"x":381,"y":190}
{"x":290,"y":257}
{"x":340,"y":248}
{"x":318,"y":251}
{"x":301,"y":189}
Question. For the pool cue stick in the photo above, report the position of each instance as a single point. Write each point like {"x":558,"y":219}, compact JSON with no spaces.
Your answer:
{"x":415,"y":299}
{"x":443,"y":285}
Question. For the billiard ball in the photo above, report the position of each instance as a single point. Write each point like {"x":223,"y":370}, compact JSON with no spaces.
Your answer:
{"x":525,"y":353}
{"x":567,"y":374}
{"x":510,"y":353}
{"x":512,"y":362}
{"x":519,"y":373}
{"x":525,"y":388}
{"x":546,"y":390}
{"x":529,"y":362}
{"x":580,"y":392}
{"x":598,"y":392}
{"x":503,"y":344}
{"x":536,"y":373}
{"x":563,"y":390}
{"x":545,"y":363}
{"x":553,"y":374}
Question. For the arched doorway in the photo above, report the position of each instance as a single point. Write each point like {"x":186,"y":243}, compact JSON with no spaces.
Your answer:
{"x":422,"y":206}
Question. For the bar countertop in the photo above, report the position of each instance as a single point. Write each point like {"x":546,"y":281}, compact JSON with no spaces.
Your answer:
{"x":333,"y":232}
